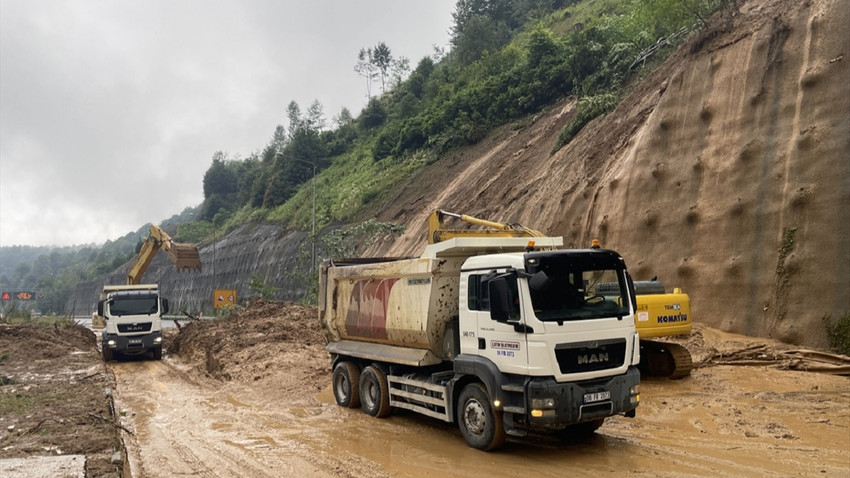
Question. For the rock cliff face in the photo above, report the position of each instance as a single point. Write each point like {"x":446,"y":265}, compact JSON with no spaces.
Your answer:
{"x":726,"y":172}
{"x":263,"y":251}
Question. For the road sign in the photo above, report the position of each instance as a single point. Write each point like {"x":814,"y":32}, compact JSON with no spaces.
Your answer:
{"x":224,"y":298}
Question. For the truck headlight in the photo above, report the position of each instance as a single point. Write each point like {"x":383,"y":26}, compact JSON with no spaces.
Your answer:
{"x":634,"y":394}
{"x":542,"y":403}
{"x":157,"y":340}
{"x":111,"y":343}
{"x":541,"y":407}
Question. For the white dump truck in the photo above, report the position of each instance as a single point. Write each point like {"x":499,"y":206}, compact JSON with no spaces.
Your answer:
{"x":132,"y":317}
{"x":501,"y":335}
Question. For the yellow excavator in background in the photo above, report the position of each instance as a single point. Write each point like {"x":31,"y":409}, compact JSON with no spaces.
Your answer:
{"x":130,"y":315}
{"x":659,"y":314}
{"x":438,"y":233}
{"x":184,"y":256}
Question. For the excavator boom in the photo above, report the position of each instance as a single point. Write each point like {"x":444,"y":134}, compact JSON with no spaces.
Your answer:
{"x":184,"y":256}
{"x":437,"y":232}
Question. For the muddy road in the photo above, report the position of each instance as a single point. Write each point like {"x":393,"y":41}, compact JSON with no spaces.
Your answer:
{"x":266,"y":409}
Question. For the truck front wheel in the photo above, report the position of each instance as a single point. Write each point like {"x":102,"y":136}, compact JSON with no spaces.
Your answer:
{"x":374,"y":392}
{"x":107,"y":353}
{"x":156,"y":352}
{"x":346,"y":385}
{"x":481,"y":426}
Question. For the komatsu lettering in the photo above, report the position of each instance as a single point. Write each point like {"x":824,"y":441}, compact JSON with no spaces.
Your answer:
{"x":669,"y":319}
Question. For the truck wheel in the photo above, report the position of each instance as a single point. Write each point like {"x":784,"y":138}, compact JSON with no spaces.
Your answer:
{"x":346,"y":385}
{"x":481,"y":426}
{"x":107,"y":354}
{"x":157,"y":353}
{"x":374,"y":392}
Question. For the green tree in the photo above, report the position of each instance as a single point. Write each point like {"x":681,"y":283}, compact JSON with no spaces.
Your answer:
{"x":373,"y":115}
{"x":383,"y":59}
{"x":220,"y":185}
{"x":219,"y":178}
{"x":366,"y":68}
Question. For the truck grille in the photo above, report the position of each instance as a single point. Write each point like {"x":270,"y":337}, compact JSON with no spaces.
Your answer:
{"x":130,"y":328}
{"x":590,"y":356}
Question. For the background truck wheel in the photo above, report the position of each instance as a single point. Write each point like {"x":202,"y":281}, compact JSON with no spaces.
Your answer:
{"x":107,"y":354}
{"x":346,"y":385}
{"x":156,"y":352}
{"x":374,"y":392}
{"x":481,"y":426}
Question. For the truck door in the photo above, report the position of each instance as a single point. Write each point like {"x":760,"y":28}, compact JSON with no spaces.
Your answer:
{"x":501,"y":337}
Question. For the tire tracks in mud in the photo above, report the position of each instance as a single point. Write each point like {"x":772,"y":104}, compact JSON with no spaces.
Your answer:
{"x":186,"y":425}
{"x":722,"y":421}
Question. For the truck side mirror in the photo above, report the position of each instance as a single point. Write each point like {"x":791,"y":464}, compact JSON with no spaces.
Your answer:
{"x":501,"y":301}
{"x":100,"y":308}
{"x":539,"y":281}
{"x":164,"y":306}
{"x":632,"y":293}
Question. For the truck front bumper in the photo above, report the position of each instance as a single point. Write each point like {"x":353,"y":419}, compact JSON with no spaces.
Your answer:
{"x":132,"y":344}
{"x":553,"y":406}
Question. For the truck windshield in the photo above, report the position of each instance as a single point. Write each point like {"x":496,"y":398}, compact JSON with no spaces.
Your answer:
{"x":133,"y":306}
{"x":577,"y":287}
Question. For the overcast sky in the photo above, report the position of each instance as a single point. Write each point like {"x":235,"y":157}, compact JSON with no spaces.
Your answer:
{"x":111,"y":110}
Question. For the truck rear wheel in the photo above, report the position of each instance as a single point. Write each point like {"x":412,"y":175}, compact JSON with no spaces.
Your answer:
{"x":481,"y":426}
{"x":346,"y":385}
{"x":374,"y":392}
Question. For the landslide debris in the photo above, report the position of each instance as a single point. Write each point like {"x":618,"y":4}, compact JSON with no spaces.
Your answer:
{"x":259,"y":342}
{"x":54,"y":396}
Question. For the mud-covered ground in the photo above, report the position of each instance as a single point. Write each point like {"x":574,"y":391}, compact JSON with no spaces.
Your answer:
{"x":250,"y":396}
{"x":54,"y":397}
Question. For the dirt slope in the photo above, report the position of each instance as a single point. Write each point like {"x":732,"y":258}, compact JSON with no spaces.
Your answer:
{"x":725,"y":173}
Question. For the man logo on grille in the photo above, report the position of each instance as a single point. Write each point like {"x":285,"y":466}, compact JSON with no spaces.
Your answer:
{"x":592,"y":358}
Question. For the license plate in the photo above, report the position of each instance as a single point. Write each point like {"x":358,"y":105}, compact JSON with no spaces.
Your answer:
{"x":135,"y":341}
{"x":597,"y":396}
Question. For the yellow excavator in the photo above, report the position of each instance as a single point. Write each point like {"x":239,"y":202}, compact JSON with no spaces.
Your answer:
{"x":130,"y":315}
{"x":184,"y":256}
{"x":659,"y":314}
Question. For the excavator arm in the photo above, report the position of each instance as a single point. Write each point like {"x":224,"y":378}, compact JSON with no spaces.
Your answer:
{"x":184,"y":256}
{"x":437,"y":232}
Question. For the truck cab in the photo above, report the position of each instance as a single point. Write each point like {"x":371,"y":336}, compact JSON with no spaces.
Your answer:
{"x":132,"y":316}
{"x":540,"y":321}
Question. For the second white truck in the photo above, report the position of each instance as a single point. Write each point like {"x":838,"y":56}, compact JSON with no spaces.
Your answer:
{"x":497,"y":334}
{"x":132,"y":316}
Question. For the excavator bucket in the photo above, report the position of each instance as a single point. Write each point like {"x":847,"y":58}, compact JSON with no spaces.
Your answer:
{"x":184,"y":256}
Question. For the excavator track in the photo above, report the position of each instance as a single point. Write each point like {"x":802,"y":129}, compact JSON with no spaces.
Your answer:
{"x":664,"y":359}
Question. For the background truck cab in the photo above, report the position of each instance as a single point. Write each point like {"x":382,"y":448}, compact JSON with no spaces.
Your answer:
{"x":132,"y":317}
